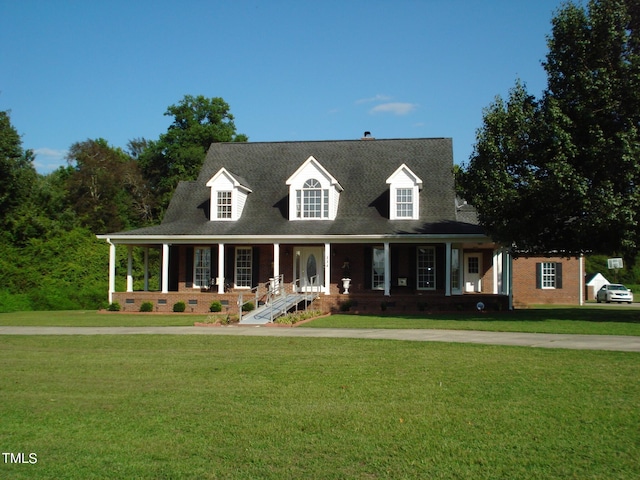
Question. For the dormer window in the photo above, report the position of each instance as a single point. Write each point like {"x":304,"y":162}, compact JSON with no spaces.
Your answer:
{"x":404,"y":203}
{"x":312,"y":201}
{"x":313,"y":193}
{"x":228,"y":195}
{"x":224,"y":204}
{"x":405,"y":194}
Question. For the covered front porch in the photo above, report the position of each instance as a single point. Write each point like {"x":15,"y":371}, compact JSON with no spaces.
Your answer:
{"x":392,"y":275}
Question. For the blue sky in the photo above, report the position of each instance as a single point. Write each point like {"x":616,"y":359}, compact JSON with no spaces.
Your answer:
{"x":290,"y":70}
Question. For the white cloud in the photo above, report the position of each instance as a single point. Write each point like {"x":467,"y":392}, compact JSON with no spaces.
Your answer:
{"x":48,"y":159}
{"x":50,"y":152}
{"x":377,"y":98}
{"x":396,"y":108}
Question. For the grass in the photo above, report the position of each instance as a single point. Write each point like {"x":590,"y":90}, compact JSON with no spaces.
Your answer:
{"x":577,"y":320}
{"x":210,"y":407}
{"x":92,"y":318}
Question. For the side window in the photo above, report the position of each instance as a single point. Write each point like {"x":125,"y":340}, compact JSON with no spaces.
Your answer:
{"x":549,"y":275}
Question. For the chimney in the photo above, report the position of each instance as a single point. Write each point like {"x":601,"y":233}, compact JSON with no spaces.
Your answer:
{"x":367,"y":136}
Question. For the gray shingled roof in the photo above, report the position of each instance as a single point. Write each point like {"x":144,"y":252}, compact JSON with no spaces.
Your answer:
{"x":361,"y":167}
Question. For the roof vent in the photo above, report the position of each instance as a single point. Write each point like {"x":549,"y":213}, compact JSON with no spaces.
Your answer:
{"x":367,"y":136}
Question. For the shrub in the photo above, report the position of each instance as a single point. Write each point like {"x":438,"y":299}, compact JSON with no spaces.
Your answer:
{"x":215,"y":306}
{"x":247,"y":307}
{"x":146,"y":307}
{"x":345,"y":306}
{"x":293,"y":318}
{"x":179,"y":307}
{"x":114,"y":307}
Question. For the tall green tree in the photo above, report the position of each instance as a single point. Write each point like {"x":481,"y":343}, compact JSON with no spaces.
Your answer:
{"x":562,"y":173}
{"x":17,"y":173}
{"x":179,"y":153}
{"x":106,"y":188}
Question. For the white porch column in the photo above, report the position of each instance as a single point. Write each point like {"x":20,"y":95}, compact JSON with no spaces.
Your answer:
{"x":387,"y":270}
{"x":165,"y":268}
{"x":581,"y":285}
{"x":146,"y":269}
{"x":497,"y":272}
{"x":112,"y":270}
{"x":130,"y":268}
{"x":447,"y":270}
{"x":276,"y":260}
{"x":327,"y":269}
{"x":220,"y":279}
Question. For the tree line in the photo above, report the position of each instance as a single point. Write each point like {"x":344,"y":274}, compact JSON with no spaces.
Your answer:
{"x":49,"y":256}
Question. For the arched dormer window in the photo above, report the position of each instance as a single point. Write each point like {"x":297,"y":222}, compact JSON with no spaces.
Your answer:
{"x":313,"y":193}
{"x":312,"y":201}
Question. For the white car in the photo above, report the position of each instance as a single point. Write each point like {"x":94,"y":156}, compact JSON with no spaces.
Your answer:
{"x":614,"y":293}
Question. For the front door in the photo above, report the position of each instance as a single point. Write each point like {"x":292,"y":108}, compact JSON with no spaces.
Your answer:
{"x":472,"y":269}
{"x":309,"y":268}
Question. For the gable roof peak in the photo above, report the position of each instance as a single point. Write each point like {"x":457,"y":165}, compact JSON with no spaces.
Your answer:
{"x":318,"y":166}
{"x":238,"y":181}
{"x":404,"y":169}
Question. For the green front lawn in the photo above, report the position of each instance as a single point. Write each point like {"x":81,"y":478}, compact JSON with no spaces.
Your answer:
{"x":578,"y":320}
{"x":92,"y":318}
{"x":211,"y":407}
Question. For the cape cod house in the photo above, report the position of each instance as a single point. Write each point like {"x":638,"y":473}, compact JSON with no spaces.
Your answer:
{"x":381,"y":213}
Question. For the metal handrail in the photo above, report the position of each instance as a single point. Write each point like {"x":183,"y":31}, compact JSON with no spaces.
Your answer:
{"x":276,"y":288}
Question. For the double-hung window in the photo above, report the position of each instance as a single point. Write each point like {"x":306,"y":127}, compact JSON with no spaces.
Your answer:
{"x":404,"y":203}
{"x":243,"y":267}
{"x":426,"y":264}
{"x":549,"y":275}
{"x":224,"y":204}
{"x":202,"y":266}
{"x":377,"y":280}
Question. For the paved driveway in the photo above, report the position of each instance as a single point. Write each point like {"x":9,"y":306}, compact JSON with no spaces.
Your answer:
{"x":539,"y":340}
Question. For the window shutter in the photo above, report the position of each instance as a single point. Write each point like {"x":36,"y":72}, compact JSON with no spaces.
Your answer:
{"x":558,"y":275}
{"x":255,"y":261}
{"x":189,"y":267}
{"x":213,"y":267}
{"x":538,"y":275}
{"x":229,"y":265}
{"x":368,"y":270}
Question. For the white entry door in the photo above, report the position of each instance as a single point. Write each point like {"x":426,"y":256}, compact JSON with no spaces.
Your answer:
{"x":309,"y":268}
{"x":472,"y":269}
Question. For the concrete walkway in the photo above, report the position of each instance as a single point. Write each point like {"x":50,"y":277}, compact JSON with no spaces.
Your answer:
{"x":541,"y":340}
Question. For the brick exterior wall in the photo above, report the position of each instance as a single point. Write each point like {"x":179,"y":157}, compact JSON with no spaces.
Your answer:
{"x":525,"y":288}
